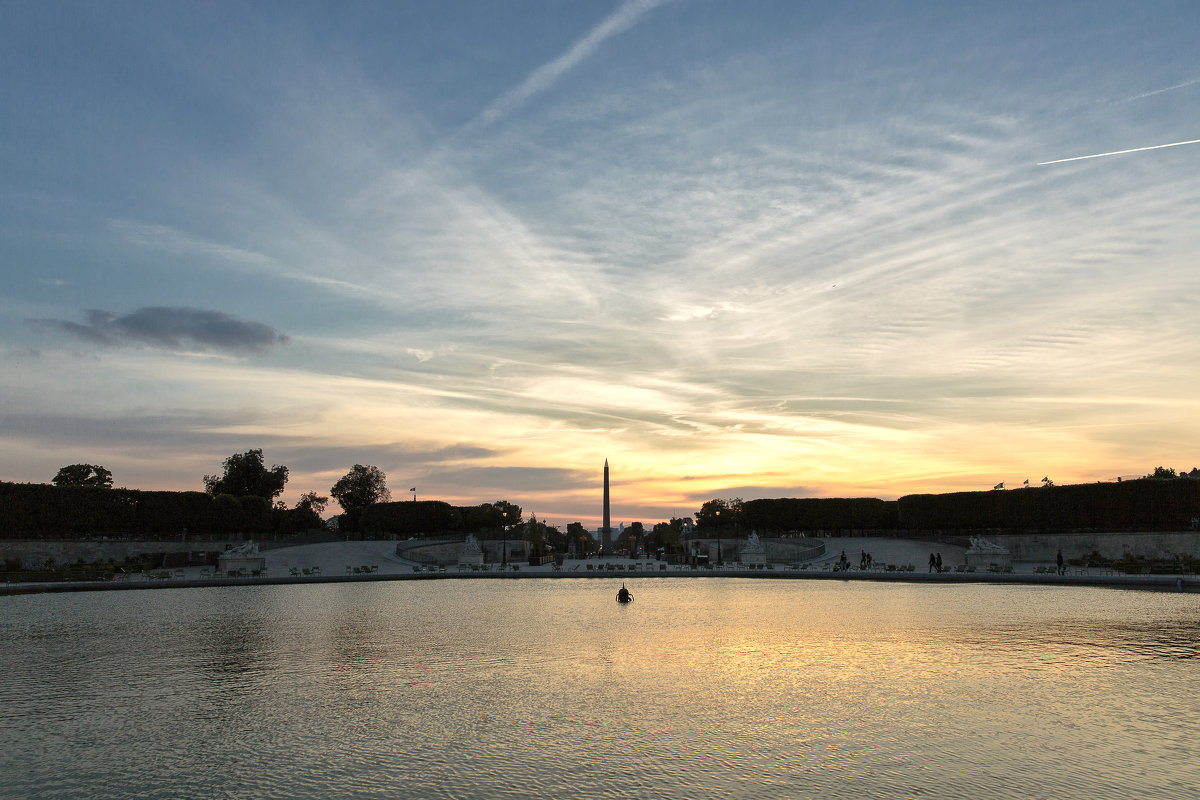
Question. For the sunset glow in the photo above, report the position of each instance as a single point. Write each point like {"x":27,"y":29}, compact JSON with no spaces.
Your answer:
{"x":764,"y":251}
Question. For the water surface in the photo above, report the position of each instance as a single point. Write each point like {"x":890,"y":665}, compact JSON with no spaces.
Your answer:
{"x":707,"y":688}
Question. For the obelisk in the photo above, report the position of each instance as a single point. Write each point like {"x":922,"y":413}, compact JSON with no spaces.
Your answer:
{"x":606,"y":531}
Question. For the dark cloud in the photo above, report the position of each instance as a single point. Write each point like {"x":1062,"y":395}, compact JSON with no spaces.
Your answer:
{"x":191,"y":432}
{"x":21,"y":353}
{"x":179,"y":431}
{"x":171,"y":327}
{"x":394,"y":459}
{"x":512,"y":479}
{"x":752,"y":493}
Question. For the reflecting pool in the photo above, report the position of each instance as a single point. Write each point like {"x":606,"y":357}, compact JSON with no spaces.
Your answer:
{"x":701,"y":688}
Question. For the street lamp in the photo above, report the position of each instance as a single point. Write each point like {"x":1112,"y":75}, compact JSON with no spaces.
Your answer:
{"x":719,"y":562}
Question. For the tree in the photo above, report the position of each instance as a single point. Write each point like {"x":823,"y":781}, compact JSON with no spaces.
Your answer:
{"x":579,"y":536}
{"x":481,"y":518}
{"x":306,"y":516}
{"x":719,"y":514}
{"x":246,"y":476}
{"x":84,"y":475}
{"x":535,"y":534}
{"x":666,"y":535}
{"x":226,"y":513}
{"x":360,"y":487}
{"x":311,"y":501}
{"x":556,"y":540}
{"x":510,"y":512}
{"x":631,"y":537}
{"x":407,"y":518}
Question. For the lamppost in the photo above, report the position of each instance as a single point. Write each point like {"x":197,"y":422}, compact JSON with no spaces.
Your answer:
{"x":737,"y":541}
{"x":719,"y":537}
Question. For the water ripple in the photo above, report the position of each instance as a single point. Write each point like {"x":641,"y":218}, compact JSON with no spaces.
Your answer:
{"x":702,"y":689}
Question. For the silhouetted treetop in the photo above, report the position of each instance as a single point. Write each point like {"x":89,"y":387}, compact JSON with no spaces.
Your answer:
{"x":245,"y":475}
{"x":83,"y":475}
{"x":360,"y":487}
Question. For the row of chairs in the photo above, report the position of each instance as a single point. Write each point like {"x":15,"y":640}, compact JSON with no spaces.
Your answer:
{"x":632,"y":566}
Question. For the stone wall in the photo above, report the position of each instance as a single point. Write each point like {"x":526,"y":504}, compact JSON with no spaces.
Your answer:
{"x":1023,"y":547}
{"x":445,"y":551}
{"x":779,"y":551}
{"x":437,"y":551}
{"x":1044,"y":547}
{"x":39,"y":551}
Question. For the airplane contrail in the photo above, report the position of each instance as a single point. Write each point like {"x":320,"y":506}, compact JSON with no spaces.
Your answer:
{"x":1119,"y":152}
{"x":1153,"y":92}
{"x":546,"y":75}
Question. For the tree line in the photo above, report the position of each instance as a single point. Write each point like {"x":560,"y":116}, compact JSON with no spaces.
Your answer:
{"x":782,"y":515}
{"x":241,"y":499}
{"x":1161,"y":501}
{"x":38,"y":510}
{"x":1147,"y":504}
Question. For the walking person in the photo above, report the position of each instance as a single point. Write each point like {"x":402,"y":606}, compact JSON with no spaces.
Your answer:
{"x":939,"y":562}
{"x":932,"y":562}
{"x":1062,"y":568}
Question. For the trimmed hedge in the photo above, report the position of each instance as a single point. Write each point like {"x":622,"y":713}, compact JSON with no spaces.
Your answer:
{"x":820,"y":514}
{"x":407,"y":518}
{"x":42,"y":510}
{"x":1138,"y":505}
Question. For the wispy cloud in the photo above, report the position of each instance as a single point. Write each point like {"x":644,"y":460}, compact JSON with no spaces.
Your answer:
{"x":767,"y":254}
{"x":176,"y":242}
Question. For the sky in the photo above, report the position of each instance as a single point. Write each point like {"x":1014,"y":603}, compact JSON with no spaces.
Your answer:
{"x":753,"y":249}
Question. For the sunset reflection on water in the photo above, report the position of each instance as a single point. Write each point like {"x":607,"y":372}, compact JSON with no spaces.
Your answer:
{"x":701,"y":688}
